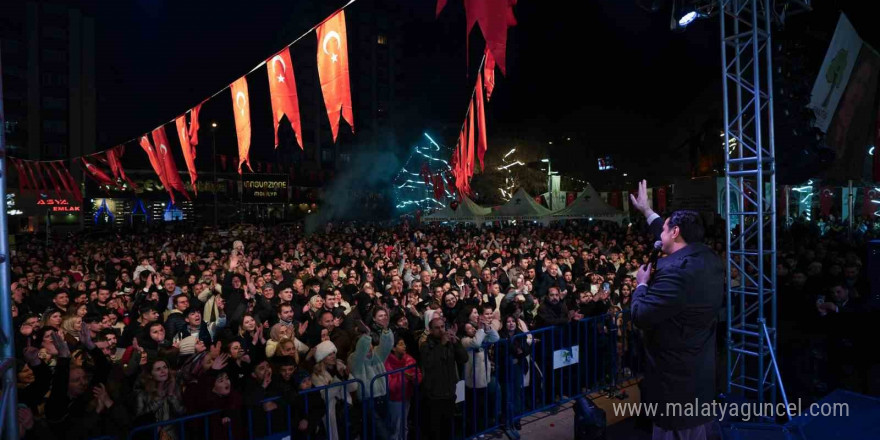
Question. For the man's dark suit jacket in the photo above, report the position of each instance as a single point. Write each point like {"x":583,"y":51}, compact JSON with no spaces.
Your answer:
{"x":677,"y":313}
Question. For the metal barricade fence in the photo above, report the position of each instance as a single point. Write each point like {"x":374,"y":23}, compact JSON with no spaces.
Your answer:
{"x":183,"y":428}
{"x":391,"y":411}
{"x":502,"y":383}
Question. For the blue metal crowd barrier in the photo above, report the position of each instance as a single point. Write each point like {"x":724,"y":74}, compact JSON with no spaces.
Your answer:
{"x":504,"y":382}
{"x":183,"y":425}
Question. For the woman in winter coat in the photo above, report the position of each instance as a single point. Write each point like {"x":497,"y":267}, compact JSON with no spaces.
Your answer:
{"x":214,"y":391}
{"x":517,"y":374}
{"x":477,"y":371}
{"x":327,"y":371}
{"x":158,"y":399}
{"x":401,"y":387}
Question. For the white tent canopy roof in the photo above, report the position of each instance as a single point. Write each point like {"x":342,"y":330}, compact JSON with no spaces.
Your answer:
{"x":467,"y":211}
{"x":589,"y":204}
{"x":521,"y":206}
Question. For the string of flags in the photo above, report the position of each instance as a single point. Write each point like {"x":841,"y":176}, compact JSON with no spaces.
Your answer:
{"x":333,"y":74}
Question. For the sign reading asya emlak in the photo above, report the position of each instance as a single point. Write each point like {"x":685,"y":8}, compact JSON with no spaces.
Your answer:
{"x":59,"y":205}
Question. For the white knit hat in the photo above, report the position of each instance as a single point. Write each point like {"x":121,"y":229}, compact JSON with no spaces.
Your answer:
{"x":323,"y":350}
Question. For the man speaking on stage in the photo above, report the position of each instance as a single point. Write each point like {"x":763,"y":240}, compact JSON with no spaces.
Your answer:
{"x":677,"y":311}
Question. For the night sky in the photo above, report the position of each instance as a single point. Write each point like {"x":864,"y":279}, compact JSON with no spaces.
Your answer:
{"x":604,"y":72}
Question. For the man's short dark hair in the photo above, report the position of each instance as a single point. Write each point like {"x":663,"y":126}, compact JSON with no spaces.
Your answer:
{"x":178,"y":298}
{"x":690,"y":225}
{"x":190,"y":310}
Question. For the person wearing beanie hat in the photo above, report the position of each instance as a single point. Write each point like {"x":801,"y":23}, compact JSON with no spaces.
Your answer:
{"x":327,"y":371}
{"x":324,"y":350}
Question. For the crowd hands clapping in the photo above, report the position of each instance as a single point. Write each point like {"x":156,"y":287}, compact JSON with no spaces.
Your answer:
{"x":120,"y":331}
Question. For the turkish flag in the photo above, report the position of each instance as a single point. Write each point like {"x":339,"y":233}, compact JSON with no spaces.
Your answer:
{"x":333,"y":71}
{"x":52,"y":173}
{"x":661,"y":199}
{"x":29,"y":170}
{"x":470,"y":144}
{"x":869,"y":207}
{"x":489,"y":74}
{"x":241,"y":105}
{"x":23,"y":182}
{"x":41,"y":178}
{"x":223,"y":161}
{"x":282,"y":90}
{"x":570,"y":197}
{"x":189,"y":151}
{"x":154,"y":159}
{"x":100,"y":177}
{"x":461,"y":178}
{"x":194,"y":126}
{"x":172,"y":177}
{"x":453,"y":165}
{"x":71,"y":183}
{"x":482,"y":144}
{"x":826,"y":200}
{"x":58,"y":177}
{"x":440,"y":5}
{"x":114,"y":160}
{"x":494,"y":18}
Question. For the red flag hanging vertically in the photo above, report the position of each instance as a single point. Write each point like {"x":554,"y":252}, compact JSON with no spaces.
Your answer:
{"x":868,"y":205}
{"x":876,"y":157}
{"x":42,"y":182}
{"x":114,"y":160}
{"x":470,"y":143}
{"x":194,"y":126}
{"x":241,"y":105}
{"x":826,"y":200}
{"x":65,"y":185}
{"x":268,"y":167}
{"x":461,"y":178}
{"x":71,"y":183}
{"x":482,"y":144}
{"x":494,"y":17}
{"x":56,"y":184}
{"x":489,"y":74}
{"x":24,"y":182}
{"x":154,"y":159}
{"x":282,"y":90}
{"x":661,"y":199}
{"x":425,"y":173}
{"x":189,"y":151}
{"x":223,"y":161}
{"x":440,"y":5}
{"x":100,"y":177}
{"x":172,"y":177}
{"x":333,"y":71}
{"x":452,"y":178}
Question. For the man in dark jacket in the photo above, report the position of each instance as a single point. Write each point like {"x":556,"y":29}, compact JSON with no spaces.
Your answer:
{"x":677,"y":311}
{"x":552,"y":310}
{"x":440,"y":353}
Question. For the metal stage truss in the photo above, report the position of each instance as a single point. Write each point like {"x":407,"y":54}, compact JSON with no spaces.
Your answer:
{"x":750,"y":195}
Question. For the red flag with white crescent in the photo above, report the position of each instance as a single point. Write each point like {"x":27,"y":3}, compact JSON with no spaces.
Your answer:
{"x":333,"y":71}
{"x":282,"y":90}
{"x":193,"y":131}
{"x":172,"y":177}
{"x":100,"y":177}
{"x":241,"y":105}
{"x":482,"y":144}
{"x":154,"y":158}
{"x":189,"y":151}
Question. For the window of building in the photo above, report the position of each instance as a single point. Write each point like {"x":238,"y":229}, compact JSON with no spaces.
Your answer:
{"x":345,"y":157}
{"x":382,"y":40}
{"x":55,"y":126}
{"x":327,"y":155}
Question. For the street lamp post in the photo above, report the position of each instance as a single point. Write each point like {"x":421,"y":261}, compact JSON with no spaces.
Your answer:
{"x":214,"y":161}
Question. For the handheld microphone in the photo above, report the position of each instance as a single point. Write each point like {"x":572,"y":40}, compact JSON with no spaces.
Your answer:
{"x":655,"y":254}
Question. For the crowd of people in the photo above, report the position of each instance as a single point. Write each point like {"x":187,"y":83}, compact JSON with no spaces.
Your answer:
{"x":115,"y":332}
